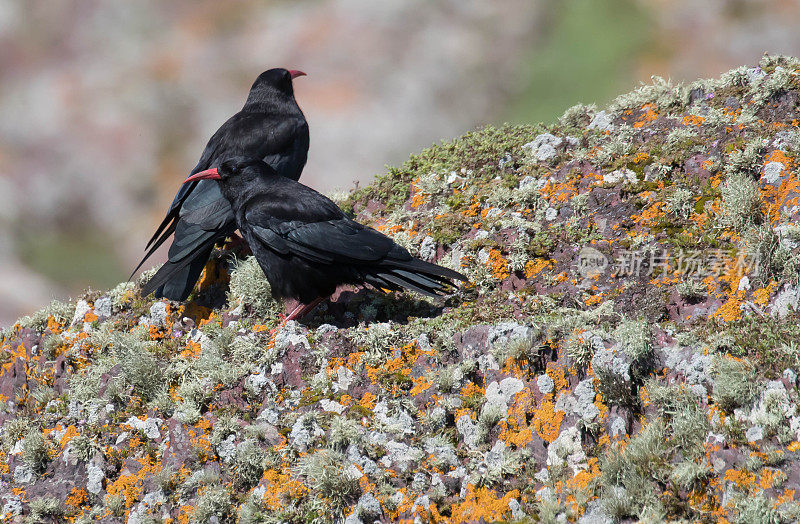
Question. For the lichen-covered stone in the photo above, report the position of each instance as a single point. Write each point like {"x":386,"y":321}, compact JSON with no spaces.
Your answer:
{"x":626,"y":348}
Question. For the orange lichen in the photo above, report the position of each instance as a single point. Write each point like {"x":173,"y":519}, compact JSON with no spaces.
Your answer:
{"x":280,"y":488}
{"x":77,"y":497}
{"x":742,"y":478}
{"x":473,"y":210}
{"x":514,"y":430}
{"x":417,"y":197}
{"x":420,"y":384}
{"x":779,"y":156}
{"x":649,"y":214}
{"x":776,"y":199}
{"x":498,"y":265}
{"x":547,"y":421}
{"x":559,"y":377}
{"x":185,"y":514}
{"x":70,"y":434}
{"x":693,"y":120}
{"x":193,"y":350}
{"x":400,"y":365}
{"x":768,"y":477}
{"x":464,"y":411}
{"x":125,"y":486}
{"x":648,"y":115}
{"x":54,"y":326}
{"x":482,"y":504}
{"x":761,"y":295}
{"x":591,"y":300}
{"x":534,"y":267}
{"x":202,"y":447}
{"x":471,"y":390}
{"x":368,"y":400}
{"x":583,"y":478}
{"x":205,"y":319}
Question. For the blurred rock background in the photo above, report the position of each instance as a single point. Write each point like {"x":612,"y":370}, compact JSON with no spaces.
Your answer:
{"x":105,"y":105}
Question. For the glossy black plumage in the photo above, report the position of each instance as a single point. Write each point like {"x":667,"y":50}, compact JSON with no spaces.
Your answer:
{"x":306,"y":245}
{"x":271,"y":127}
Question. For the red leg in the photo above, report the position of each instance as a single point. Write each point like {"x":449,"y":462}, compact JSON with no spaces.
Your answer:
{"x":303,"y":309}
{"x":295,"y":313}
{"x":299,"y":311}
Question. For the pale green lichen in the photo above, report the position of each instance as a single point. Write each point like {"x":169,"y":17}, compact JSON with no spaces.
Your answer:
{"x":577,"y":117}
{"x":215,"y":505}
{"x":44,"y":509}
{"x":762,"y":244}
{"x":691,"y":290}
{"x":662,"y":93}
{"x":735,"y":383}
{"x":248,"y":464}
{"x":60,"y":311}
{"x":741,"y":202}
{"x":249,"y":288}
{"x":328,"y":474}
{"x":37,"y":451}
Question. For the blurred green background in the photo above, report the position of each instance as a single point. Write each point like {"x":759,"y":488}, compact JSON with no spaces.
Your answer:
{"x":588,"y":53}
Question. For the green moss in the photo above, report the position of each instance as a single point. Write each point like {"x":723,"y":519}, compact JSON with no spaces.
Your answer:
{"x":475,"y":154}
{"x":448,"y":229}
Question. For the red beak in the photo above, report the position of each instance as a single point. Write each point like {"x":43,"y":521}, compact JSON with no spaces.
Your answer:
{"x":208,"y":174}
{"x":295,"y":73}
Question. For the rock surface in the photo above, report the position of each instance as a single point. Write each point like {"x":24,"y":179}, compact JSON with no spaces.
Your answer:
{"x":627,"y":348}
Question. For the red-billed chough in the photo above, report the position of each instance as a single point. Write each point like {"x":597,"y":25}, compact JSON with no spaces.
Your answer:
{"x":271,"y":127}
{"x":306,"y":245}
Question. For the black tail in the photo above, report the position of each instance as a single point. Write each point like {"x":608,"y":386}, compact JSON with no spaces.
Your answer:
{"x":175,"y":280}
{"x":416,"y":275}
{"x":167,"y":233}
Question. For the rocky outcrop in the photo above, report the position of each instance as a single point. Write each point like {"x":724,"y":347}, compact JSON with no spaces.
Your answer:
{"x":626,"y":349}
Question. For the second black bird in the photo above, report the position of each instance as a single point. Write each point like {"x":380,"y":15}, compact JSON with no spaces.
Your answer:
{"x":306,"y":245}
{"x":271,"y":127}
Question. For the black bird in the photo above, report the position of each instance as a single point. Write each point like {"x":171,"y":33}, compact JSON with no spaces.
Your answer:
{"x":271,"y":127}
{"x":306,"y":245}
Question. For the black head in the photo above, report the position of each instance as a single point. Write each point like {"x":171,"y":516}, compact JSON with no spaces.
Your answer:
{"x":241,"y":168}
{"x":236,"y":171}
{"x":274,"y":83}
